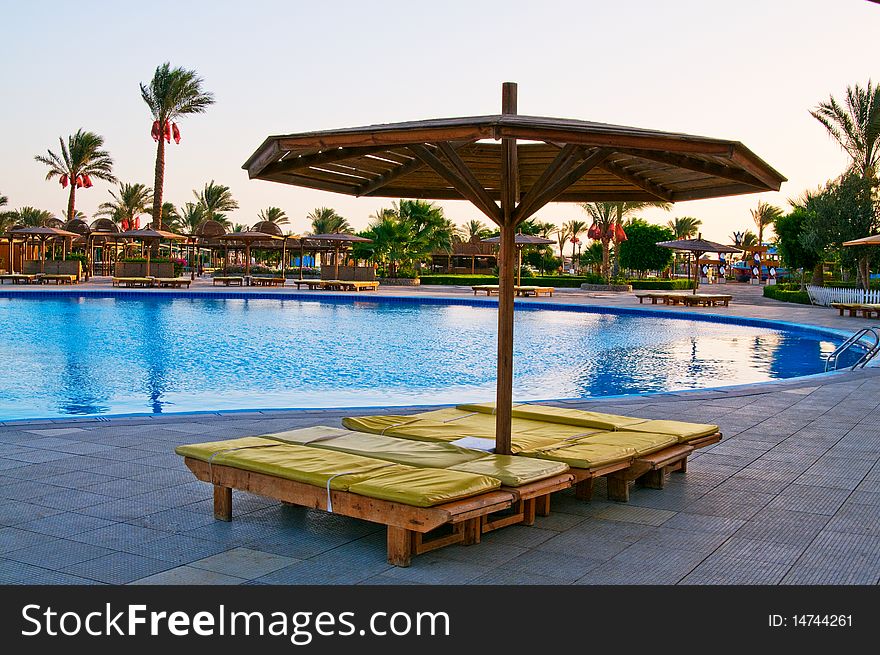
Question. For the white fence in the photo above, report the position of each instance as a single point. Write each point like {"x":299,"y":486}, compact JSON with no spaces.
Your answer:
{"x":826,"y":295}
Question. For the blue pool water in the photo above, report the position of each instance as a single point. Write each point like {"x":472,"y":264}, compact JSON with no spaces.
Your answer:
{"x":74,"y":356}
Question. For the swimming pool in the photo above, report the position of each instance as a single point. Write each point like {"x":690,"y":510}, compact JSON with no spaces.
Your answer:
{"x":63,"y":355}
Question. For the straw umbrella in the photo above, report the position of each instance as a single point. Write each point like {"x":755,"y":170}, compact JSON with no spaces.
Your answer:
{"x":873,"y":240}
{"x":248,"y":239}
{"x":525,"y":162}
{"x":338,"y":241}
{"x":521,"y":241}
{"x":149,"y":235}
{"x":42,"y":234}
{"x":698,"y":247}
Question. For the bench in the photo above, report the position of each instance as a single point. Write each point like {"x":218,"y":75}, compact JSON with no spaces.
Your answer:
{"x":488,"y":288}
{"x":175,"y":282}
{"x":534,"y":291}
{"x":855,"y":308}
{"x":667,"y":297}
{"x":267,"y":281}
{"x":706,"y":300}
{"x":132,"y":282}
{"x":19,"y":278}
{"x":349,"y":285}
{"x":229,"y":280}
{"x":57,"y":278}
{"x":311,"y":284}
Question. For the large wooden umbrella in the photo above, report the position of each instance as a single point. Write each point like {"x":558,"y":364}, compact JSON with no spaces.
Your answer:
{"x":510,"y":166}
{"x":42,"y":234}
{"x":698,"y":247}
{"x":248,"y":239}
{"x":337,"y":240}
{"x":148,"y":235}
{"x":521,"y":241}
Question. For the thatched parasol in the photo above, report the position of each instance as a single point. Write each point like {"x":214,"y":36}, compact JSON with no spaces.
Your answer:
{"x":339,"y":241}
{"x":148,"y":235}
{"x":521,"y":241}
{"x":698,"y":247}
{"x":523,"y":161}
{"x":42,"y":234}
{"x":248,"y":238}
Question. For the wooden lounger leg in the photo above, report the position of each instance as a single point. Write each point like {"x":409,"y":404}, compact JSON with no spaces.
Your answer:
{"x":529,"y":511}
{"x":653,"y":479}
{"x":222,"y":503}
{"x":682,"y":466}
{"x":542,"y":505}
{"x":473,"y":531}
{"x":618,"y":488}
{"x":583,"y":490}
{"x":399,"y":546}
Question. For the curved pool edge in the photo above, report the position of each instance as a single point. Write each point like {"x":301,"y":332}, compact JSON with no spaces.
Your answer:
{"x":339,"y":298}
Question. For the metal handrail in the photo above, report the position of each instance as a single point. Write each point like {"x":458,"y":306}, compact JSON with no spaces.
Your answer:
{"x":871,"y":350}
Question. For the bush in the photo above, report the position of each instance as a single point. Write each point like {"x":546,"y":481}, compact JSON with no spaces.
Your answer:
{"x":787,"y":293}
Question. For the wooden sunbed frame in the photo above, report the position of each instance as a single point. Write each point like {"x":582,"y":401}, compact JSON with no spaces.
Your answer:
{"x":57,"y":278}
{"x":18,"y":278}
{"x":408,"y":526}
{"x":525,"y":290}
{"x":349,"y":285}
{"x":175,"y":282}
{"x":311,"y":284}
{"x":707,"y":299}
{"x":132,"y":282}
{"x":229,"y":280}
{"x":668,"y":297}
{"x":649,"y":470}
{"x":258,"y":281}
{"x":867,"y":310}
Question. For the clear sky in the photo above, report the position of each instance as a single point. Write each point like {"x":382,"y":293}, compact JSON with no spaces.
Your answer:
{"x":748,"y":71}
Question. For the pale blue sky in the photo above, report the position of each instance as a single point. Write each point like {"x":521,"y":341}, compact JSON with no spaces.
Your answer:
{"x":748,"y":70}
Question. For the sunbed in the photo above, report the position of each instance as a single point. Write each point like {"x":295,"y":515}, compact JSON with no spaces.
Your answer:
{"x":706,"y":299}
{"x":868,"y":310}
{"x":132,"y":282}
{"x":349,"y":285}
{"x":267,"y":281}
{"x":229,"y":280}
{"x":534,"y":291}
{"x":488,"y":288}
{"x":175,"y":282}
{"x":311,"y":284}
{"x":666,"y":297}
{"x":18,"y":278}
{"x":326,"y":468}
{"x":591,"y":443}
{"x":45,"y":278}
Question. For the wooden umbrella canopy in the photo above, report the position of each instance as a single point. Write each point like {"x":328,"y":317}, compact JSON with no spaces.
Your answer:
{"x":338,"y":240}
{"x":42,"y":234}
{"x":148,"y":235}
{"x":521,"y":241}
{"x":524,"y":162}
{"x":698,"y":246}
{"x":248,"y":239}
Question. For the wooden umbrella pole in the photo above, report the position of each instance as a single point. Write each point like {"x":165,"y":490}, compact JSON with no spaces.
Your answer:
{"x":336,"y":262}
{"x":302,"y":254}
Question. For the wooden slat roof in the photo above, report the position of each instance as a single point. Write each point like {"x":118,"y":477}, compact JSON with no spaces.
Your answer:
{"x":389,"y":160}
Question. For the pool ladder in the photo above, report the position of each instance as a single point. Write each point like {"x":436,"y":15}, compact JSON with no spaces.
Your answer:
{"x":871,"y":349}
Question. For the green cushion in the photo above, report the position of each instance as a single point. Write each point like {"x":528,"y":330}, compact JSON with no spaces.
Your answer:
{"x":423,"y":487}
{"x":513,"y":471}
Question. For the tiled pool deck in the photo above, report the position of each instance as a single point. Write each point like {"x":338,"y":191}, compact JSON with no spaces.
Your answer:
{"x":791,"y":496}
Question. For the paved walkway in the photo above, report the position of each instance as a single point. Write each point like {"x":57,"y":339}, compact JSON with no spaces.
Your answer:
{"x":791,"y":495}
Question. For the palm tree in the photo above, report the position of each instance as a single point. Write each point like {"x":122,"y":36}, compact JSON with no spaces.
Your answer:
{"x":855,"y":125}
{"x":170,"y":95}
{"x":473,"y":229}
{"x":607,"y":215}
{"x":238,"y":227}
{"x":561,"y":234}
{"x":81,"y":159}
{"x":191,"y":217}
{"x":3,"y":200}
{"x":215,"y":199}
{"x":325,"y":220}
{"x":273,"y":215}
{"x":749,"y":238}
{"x":764,"y":215}
{"x":684,"y":227}
{"x":575,"y":228}
{"x":131,"y":201}
{"x":29,"y":217}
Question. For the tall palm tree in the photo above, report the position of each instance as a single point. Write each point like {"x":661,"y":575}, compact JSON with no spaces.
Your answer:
{"x":764,"y":215}
{"x":128,"y":203}
{"x":561,"y":234}
{"x":684,"y":227}
{"x":170,"y":95}
{"x":3,"y":200}
{"x":81,"y":158}
{"x":855,"y":125}
{"x":192,"y":215}
{"x":29,"y":216}
{"x":575,"y":229}
{"x":474,"y":229}
{"x":325,"y":220}
{"x":273,"y":215}
{"x":215,"y":199}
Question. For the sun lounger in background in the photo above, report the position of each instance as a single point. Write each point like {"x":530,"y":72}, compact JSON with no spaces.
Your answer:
{"x":132,"y":282}
{"x":492,"y":289}
{"x":258,"y":281}
{"x":229,"y":280}
{"x":349,"y":285}
{"x":57,"y":278}
{"x":868,"y":310}
{"x":311,"y":284}
{"x":175,"y":282}
{"x":18,"y":278}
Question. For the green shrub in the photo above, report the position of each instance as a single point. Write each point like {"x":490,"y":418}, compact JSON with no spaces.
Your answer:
{"x":787,"y":293}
